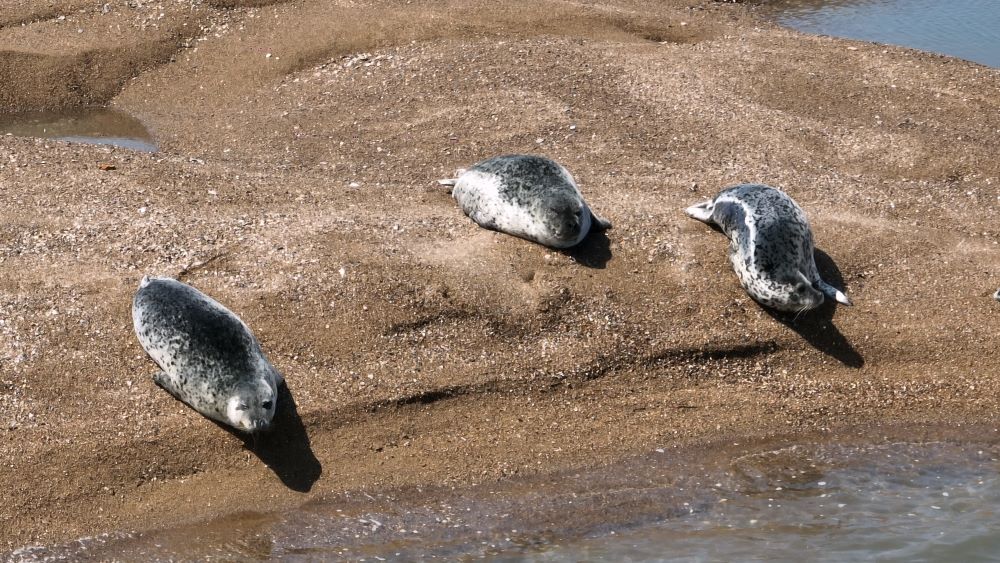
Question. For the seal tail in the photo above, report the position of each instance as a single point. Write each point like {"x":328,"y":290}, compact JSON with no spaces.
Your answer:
{"x":450,"y":182}
{"x":145,"y":281}
{"x":702,"y":211}
{"x":996,"y":295}
{"x":833,"y":293}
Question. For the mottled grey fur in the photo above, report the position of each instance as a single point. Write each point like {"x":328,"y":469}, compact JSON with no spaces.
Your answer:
{"x":209,"y":357}
{"x":528,"y":196}
{"x":771,"y":246}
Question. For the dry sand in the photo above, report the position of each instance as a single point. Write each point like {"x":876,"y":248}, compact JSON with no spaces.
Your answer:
{"x":300,"y":144}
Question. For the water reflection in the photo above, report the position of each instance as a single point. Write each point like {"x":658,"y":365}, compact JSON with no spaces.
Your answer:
{"x":97,"y":126}
{"x":966,"y":29}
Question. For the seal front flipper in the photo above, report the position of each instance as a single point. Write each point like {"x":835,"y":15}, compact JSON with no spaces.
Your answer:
{"x":167,"y":384}
{"x":278,"y":378}
{"x":597,"y":223}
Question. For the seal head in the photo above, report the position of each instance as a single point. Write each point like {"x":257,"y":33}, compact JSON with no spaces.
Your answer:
{"x":208,"y":356}
{"x":527,"y":196}
{"x":770,"y":246}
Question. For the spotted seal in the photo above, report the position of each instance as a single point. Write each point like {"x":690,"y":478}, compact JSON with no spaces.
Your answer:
{"x":770,"y":246}
{"x":528,"y":196}
{"x":208,"y":356}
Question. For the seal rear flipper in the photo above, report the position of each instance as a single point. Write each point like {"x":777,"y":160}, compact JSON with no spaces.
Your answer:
{"x":702,"y":211}
{"x":166,"y":383}
{"x":833,"y":293}
{"x":597,"y":223}
{"x":450,"y":182}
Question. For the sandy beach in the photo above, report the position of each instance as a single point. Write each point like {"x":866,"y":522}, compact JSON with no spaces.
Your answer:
{"x":299,"y":147}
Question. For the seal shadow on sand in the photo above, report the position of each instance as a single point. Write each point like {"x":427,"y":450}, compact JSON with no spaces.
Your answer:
{"x":284,"y":447}
{"x":816,"y":326}
{"x":594,"y":251}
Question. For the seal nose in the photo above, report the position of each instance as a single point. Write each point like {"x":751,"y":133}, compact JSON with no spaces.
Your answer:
{"x":259,"y":425}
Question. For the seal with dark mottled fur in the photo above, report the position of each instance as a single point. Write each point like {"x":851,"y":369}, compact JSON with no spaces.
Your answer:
{"x":770,"y":246}
{"x":528,"y":196}
{"x":208,"y":356}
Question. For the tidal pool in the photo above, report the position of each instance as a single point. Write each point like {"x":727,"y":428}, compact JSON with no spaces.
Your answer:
{"x":96,"y":126}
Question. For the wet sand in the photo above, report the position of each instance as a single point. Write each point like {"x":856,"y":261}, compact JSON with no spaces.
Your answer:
{"x":300,"y":142}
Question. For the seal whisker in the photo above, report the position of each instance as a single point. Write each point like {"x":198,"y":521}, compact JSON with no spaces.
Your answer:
{"x":799,"y":314}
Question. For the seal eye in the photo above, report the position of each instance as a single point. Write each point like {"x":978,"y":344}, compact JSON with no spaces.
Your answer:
{"x":266,"y":405}
{"x":242,"y":407}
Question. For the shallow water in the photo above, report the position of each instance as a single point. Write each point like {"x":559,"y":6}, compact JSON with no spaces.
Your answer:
{"x":827,"y":502}
{"x":96,"y":126}
{"x":895,"y":502}
{"x":968,"y":29}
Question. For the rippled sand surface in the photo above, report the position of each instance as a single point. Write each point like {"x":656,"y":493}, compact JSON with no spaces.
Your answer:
{"x":299,"y":148}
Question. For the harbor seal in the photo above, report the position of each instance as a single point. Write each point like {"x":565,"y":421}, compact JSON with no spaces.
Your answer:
{"x":208,"y":356}
{"x":770,"y":246}
{"x":527,"y":196}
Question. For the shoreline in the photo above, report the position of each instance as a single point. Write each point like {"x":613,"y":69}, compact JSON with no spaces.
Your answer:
{"x":445,"y":353}
{"x":628,"y":494}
